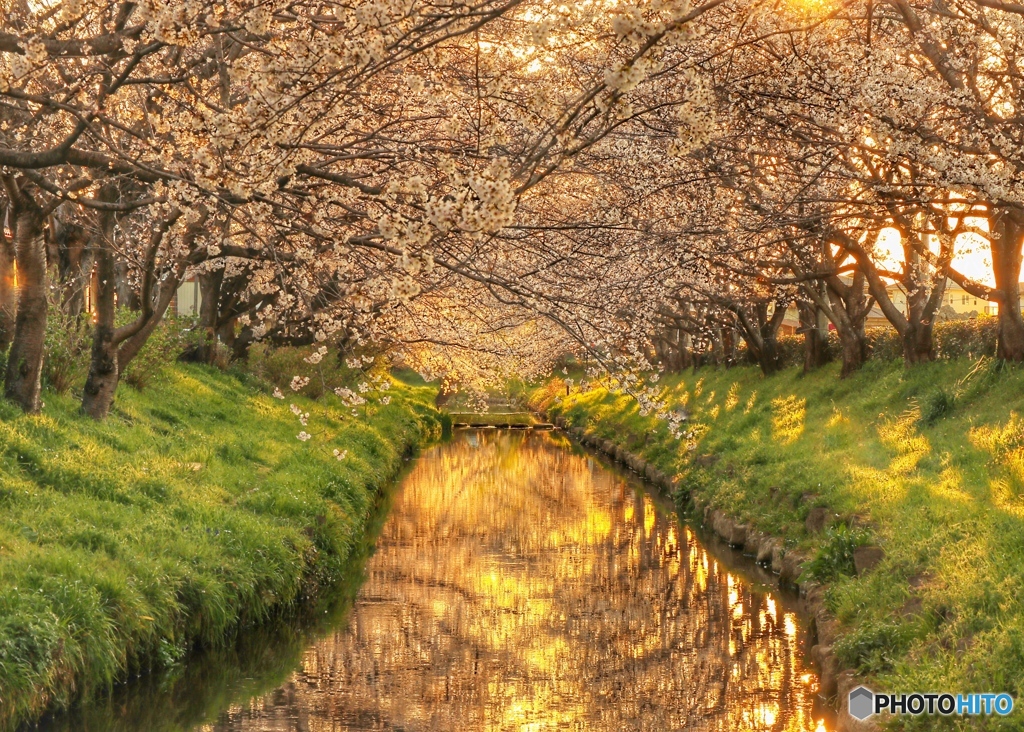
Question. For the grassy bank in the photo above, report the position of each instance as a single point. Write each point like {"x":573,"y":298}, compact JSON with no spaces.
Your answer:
{"x":193,"y":511}
{"x":199,"y":690}
{"x":927,"y":463}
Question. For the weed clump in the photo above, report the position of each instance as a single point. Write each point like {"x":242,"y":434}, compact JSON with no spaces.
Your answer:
{"x":876,"y":647}
{"x":835,"y":553}
{"x":937,"y":405}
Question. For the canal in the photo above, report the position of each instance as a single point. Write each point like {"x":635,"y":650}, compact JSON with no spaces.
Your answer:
{"x":520,"y":584}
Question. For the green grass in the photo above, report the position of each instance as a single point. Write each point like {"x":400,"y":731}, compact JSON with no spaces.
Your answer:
{"x":189,"y":695}
{"x":193,"y":511}
{"x":928,"y":463}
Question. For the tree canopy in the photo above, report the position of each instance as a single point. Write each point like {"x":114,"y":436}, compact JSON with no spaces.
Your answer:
{"x":481,"y":186}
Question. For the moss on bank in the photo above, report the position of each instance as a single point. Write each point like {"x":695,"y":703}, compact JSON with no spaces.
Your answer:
{"x":191,"y":512}
{"x":928,"y":463}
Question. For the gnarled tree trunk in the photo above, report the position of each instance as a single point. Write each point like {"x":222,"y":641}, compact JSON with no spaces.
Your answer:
{"x":850,"y":307}
{"x":814,"y":325}
{"x":846,"y":304}
{"x":25,"y":360}
{"x":209,"y":311}
{"x":854,"y":349}
{"x":1007,"y":231}
{"x":75,"y":256}
{"x":131,"y":345}
{"x":8,"y":292}
{"x":923,"y":289}
{"x":918,"y":342}
{"x":101,"y":383}
{"x":114,"y":348}
{"x":760,"y":331}
{"x":729,"y":346}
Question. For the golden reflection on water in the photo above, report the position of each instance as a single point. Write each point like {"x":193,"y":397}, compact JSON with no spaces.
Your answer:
{"x":520,"y":586}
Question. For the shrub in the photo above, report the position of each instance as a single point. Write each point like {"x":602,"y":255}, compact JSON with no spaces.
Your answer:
{"x":884,"y":343}
{"x":970,"y":339}
{"x":173,"y":336}
{"x":791,"y":349}
{"x":966,"y":338}
{"x":67,"y":344}
{"x":279,"y":365}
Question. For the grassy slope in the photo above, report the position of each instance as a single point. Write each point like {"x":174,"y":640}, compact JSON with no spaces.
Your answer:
{"x":942,"y":490}
{"x":192,"y":511}
{"x":195,"y":693}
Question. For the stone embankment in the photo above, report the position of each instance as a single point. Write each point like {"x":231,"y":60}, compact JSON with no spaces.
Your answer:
{"x":771,"y":552}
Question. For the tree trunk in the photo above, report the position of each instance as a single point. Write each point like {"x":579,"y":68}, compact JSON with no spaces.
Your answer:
{"x":815,"y":327}
{"x":8,"y":292}
{"x":1007,"y":230}
{"x":850,"y":306}
{"x":769,"y":359}
{"x":716,"y":351}
{"x":763,"y":349}
{"x":74,"y":293}
{"x":673,"y":346}
{"x":729,"y":346}
{"x":226,"y":333}
{"x":685,"y":350}
{"x":923,"y":295}
{"x":761,"y":333}
{"x":25,"y":361}
{"x":101,"y":384}
{"x":855,"y":349}
{"x":922,"y":306}
{"x":240,"y":348}
{"x":771,"y":356}
{"x":815,"y":350}
{"x":129,"y":348}
{"x":209,"y":309}
{"x":918,"y":344}
{"x":75,"y":258}
{"x":1011,"y":338}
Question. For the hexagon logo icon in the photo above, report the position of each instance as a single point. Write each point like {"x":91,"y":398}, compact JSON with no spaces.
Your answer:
{"x":861,"y":703}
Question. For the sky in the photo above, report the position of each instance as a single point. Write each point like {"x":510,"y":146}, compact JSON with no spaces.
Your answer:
{"x":972,"y":256}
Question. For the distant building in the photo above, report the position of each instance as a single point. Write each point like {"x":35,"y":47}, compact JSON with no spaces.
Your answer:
{"x":956,"y":302}
{"x":188,"y":299}
{"x":791,"y":323}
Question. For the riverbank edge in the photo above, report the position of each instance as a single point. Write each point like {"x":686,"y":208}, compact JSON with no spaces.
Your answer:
{"x":22,"y":710}
{"x":787,"y":565}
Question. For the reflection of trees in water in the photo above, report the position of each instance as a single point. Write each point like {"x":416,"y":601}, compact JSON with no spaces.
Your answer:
{"x":519,"y":587}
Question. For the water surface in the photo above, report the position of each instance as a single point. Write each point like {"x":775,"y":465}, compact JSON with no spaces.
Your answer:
{"x":518,"y":584}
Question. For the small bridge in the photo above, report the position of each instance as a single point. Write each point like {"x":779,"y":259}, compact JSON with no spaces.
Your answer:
{"x":498,"y":420}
